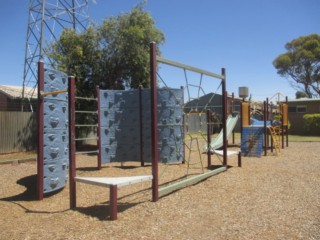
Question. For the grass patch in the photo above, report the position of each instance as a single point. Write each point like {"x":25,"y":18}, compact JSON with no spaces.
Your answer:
{"x":298,"y":138}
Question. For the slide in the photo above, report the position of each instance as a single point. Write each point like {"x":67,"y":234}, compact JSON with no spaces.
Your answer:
{"x":218,"y":141}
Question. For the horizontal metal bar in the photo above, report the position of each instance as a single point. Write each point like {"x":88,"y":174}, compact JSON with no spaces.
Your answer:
{"x":91,"y":112}
{"x":187,"y":67}
{"x":82,"y":139}
{"x":86,"y":125}
{"x":189,"y":181}
{"x":86,"y":152}
{"x":169,"y":125}
{"x":85,"y":98}
{"x":43,"y":94}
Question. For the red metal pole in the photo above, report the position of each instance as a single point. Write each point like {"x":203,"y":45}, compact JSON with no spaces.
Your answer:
{"x":154,"y":121}
{"x":265,"y":131}
{"x":72,"y":145}
{"x":113,"y":202}
{"x":40,"y":131}
{"x":141,"y":127}
{"x":224,"y":116}
{"x":287,"y":127}
{"x":232,"y":111}
{"x":209,"y":136}
{"x":99,"y":128}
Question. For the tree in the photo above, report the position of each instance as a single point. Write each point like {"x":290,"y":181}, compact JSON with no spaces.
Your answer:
{"x":301,"y":63}
{"x":115,"y":53}
{"x":300,"y":94}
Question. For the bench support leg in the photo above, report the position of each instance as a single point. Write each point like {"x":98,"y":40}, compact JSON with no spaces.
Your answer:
{"x":239,"y":159}
{"x":113,"y":202}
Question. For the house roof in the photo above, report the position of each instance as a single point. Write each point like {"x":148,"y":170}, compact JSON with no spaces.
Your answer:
{"x":300,"y":100}
{"x":14,"y":92}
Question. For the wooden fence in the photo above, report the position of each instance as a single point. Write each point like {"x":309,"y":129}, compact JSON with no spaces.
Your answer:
{"x":18,"y":131}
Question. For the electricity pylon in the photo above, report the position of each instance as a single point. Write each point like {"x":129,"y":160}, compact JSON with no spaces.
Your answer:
{"x":47,"y":19}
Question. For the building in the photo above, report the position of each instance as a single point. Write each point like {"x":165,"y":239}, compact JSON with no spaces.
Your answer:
{"x":297,"y":108}
{"x":212,"y":101}
{"x":11,"y":98}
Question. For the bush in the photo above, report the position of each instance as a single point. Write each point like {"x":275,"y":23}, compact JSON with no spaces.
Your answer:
{"x":311,"y":123}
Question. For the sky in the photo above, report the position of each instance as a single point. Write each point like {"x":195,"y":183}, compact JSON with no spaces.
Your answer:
{"x":244,"y":37}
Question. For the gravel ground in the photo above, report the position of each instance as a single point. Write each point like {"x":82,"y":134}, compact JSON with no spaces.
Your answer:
{"x":273,"y":197}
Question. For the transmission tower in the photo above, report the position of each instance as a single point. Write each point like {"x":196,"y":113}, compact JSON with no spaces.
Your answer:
{"x":47,"y":19}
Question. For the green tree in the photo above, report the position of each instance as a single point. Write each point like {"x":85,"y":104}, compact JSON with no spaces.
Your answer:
{"x":301,"y":64}
{"x":300,"y":94}
{"x":115,"y":53}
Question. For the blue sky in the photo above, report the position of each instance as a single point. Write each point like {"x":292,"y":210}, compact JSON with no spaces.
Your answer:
{"x":242,"y":36}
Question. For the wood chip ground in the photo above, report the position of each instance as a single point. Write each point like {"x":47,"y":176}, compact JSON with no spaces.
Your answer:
{"x":273,"y":197}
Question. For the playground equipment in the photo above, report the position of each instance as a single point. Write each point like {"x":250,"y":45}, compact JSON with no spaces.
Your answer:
{"x":273,"y":121}
{"x":161,"y":130}
{"x":218,"y":141}
{"x":53,"y":115}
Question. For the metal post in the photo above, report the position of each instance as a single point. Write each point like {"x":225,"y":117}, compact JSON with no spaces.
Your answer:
{"x":287,"y":127}
{"x":265,"y":132}
{"x":209,"y":136}
{"x":224,"y":116}
{"x":113,"y":202}
{"x":72,"y":145}
{"x":99,"y":128}
{"x":141,"y":127}
{"x":40,"y":131}
{"x":232,"y":111}
{"x":154,"y":121}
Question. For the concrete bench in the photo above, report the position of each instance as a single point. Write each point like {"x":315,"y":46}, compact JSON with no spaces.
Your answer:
{"x":113,"y":183}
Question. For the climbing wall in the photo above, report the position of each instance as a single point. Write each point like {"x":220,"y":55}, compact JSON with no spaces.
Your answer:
{"x":170,"y":125}
{"x":56,"y":131}
{"x":252,"y":141}
{"x":125,"y":132}
{"x":119,"y":125}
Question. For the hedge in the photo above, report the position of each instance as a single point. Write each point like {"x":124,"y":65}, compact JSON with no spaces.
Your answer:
{"x":311,"y":123}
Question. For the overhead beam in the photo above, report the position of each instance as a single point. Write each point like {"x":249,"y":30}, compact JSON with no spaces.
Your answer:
{"x":187,"y":67}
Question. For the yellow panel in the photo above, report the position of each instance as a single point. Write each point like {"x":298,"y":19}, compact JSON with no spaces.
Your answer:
{"x":285,"y":114}
{"x":245,"y":114}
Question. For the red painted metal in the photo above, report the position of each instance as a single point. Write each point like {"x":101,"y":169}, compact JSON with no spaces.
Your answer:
{"x":232,"y":111}
{"x":209,"y":127}
{"x":265,"y":130}
{"x":141,"y":127}
{"x":72,"y":145}
{"x":99,"y":127}
{"x":239,"y":160}
{"x":154,"y":121}
{"x":113,"y":202}
{"x":287,"y":127}
{"x":224,"y":116}
{"x":40,"y":131}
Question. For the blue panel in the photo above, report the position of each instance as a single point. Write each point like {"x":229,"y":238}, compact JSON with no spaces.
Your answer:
{"x":55,"y":81}
{"x":121,"y":129}
{"x":252,"y":141}
{"x":56,"y":131}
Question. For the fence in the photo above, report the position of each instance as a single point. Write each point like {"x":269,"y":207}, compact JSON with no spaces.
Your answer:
{"x":18,"y":131}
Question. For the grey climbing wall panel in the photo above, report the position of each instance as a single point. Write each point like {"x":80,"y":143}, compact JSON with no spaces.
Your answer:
{"x":56,"y":131}
{"x":122,"y":133}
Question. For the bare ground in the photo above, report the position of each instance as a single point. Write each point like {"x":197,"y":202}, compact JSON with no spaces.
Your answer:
{"x":273,"y":197}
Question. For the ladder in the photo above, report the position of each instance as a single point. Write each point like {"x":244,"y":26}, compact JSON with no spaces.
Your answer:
{"x":275,"y":132}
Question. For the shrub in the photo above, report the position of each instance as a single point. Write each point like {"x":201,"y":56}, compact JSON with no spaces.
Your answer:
{"x":311,"y":123}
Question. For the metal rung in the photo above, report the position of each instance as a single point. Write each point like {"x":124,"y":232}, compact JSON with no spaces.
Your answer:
{"x":86,"y":152}
{"x":81,"y":139}
{"x":86,"y":125}
{"x":85,"y":98}
{"x":91,"y":112}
